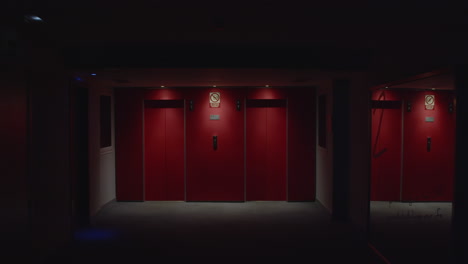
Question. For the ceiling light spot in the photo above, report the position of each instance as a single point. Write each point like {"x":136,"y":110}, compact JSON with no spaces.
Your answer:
{"x":34,"y":18}
{"x":93,"y":74}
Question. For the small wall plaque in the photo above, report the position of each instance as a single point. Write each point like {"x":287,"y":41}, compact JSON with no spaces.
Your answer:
{"x":214,"y":117}
{"x":429,"y":119}
{"x":429,"y":102}
{"x":215,"y":99}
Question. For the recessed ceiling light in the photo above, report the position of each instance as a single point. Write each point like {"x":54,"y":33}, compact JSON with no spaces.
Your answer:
{"x":34,"y":18}
{"x":93,"y":74}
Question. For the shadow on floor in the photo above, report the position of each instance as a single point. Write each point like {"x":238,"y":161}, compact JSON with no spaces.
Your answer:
{"x":412,"y":232}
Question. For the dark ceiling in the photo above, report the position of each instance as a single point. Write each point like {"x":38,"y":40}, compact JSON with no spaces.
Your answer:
{"x":376,"y":35}
{"x":437,"y":82}
{"x":355,"y":23}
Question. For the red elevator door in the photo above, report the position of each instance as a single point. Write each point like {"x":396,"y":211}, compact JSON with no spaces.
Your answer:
{"x":386,"y":146}
{"x":429,"y":142}
{"x":164,"y":150}
{"x":215,"y":146}
{"x":266,"y":150}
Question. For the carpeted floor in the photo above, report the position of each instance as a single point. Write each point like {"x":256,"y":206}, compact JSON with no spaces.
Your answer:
{"x":299,"y":232}
{"x":412,"y":232}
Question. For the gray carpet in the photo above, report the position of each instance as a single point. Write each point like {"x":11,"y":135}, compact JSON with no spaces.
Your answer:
{"x":124,"y":232}
{"x":412,"y":232}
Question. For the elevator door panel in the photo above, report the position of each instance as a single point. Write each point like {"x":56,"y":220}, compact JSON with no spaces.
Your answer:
{"x":386,"y":146}
{"x":266,"y":150}
{"x":215,"y":173}
{"x":164,"y":150}
{"x":428,"y":167}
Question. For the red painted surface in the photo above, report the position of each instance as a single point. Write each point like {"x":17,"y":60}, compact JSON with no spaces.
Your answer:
{"x":386,"y":149}
{"x":266,"y":150}
{"x":256,"y":158}
{"x":175,"y":153}
{"x":267,"y":93}
{"x":164,"y":150}
{"x":428,"y":175}
{"x":423,"y":175}
{"x":215,"y":175}
{"x":212,"y":175}
{"x":155,"y":154}
{"x":164,"y":94}
{"x":301,"y":144}
{"x":129,"y":138}
{"x":301,"y":138}
{"x":129,"y":144}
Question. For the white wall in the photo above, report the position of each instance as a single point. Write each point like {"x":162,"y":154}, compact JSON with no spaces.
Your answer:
{"x":101,"y":161}
{"x":359,"y":174}
{"x":324,"y":164}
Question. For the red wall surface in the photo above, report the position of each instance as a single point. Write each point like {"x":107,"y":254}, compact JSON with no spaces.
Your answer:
{"x":129,"y":145}
{"x":386,"y":148}
{"x":266,"y":150}
{"x":215,"y":174}
{"x":301,"y":144}
{"x":300,"y":138}
{"x":164,"y":150}
{"x":212,"y":175}
{"x":428,"y":175}
{"x":423,"y":175}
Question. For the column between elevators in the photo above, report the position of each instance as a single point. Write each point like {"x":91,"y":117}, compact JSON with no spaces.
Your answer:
{"x":402,"y":144}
